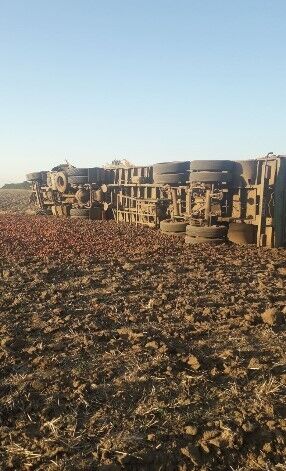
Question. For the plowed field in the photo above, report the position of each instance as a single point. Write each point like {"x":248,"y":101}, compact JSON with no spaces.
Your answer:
{"x":121,"y":348}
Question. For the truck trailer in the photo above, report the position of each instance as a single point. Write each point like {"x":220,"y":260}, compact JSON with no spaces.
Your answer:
{"x":201,"y":200}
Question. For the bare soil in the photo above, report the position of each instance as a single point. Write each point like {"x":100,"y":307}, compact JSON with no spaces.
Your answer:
{"x":122,"y":348}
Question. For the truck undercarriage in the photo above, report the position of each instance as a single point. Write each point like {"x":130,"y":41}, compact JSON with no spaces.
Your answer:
{"x":202,"y":199}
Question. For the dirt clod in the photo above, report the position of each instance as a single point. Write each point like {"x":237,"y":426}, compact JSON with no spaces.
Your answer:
{"x":193,"y":362}
{"x":272,"y":316}
{"x":191,"y":430}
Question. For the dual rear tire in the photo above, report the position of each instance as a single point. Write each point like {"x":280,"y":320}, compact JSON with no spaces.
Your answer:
{"x":203,"y":234}
{"x":171,"y":173}
{"x":195,"y":234}
{"x":240,"y":173}
{"x":211,"y":171}
{"x":172,"y":228}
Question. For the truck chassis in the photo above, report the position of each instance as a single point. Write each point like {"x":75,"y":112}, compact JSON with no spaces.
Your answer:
{"x":246,"y":196}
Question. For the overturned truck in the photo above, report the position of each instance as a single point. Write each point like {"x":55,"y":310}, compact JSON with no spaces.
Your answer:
{"x":201,"y":200}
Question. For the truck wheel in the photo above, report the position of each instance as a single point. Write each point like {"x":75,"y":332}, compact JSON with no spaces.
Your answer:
{"x":61,"y":182}
{"x":210,"y":177}
{"x":170,"y":226}
{"x":211,"y":232}
{"x":211,"y":165}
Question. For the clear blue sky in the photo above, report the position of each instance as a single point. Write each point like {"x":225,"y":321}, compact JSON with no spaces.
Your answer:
{"x":145,"y":80}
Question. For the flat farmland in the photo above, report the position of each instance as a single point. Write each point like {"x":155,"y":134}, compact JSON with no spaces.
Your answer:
{"x":122,"y":348}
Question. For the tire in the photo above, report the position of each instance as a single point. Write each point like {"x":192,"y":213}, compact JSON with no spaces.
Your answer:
{"x":241,"y":233}
{"x":203,"y":240}
{"x":79,"y":213}
{"x":212,"y":165}
{"x":212,"y":232}
{"x":78,"y":180}
{"x":170,"y":226}
{"x":210,"y":177}
{"x":170,"y":179}
{"x":61,"y":182}
{"x":36,"y":176}
{"x":171,"y":167}
{"x":75,"y":172}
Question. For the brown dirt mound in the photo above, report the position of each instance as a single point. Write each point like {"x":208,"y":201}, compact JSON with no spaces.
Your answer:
{"x":123,"y":349}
